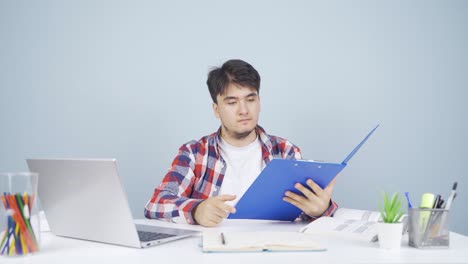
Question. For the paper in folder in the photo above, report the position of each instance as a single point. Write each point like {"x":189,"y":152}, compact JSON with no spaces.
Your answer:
{"x":264,"y":198}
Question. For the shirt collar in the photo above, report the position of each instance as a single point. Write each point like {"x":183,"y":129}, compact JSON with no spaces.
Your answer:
{"x":264,"y":140}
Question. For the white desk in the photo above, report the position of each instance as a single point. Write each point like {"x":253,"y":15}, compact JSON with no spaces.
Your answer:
{"x":187,"y":251}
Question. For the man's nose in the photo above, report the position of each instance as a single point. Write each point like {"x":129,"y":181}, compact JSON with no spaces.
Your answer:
{"x":243,"y":110}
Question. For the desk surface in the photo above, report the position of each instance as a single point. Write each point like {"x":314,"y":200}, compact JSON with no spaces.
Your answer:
{"x":64,"y":250}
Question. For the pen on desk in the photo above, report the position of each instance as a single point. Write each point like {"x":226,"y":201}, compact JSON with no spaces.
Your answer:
{"x":408,"y":199}
{"x":223,"y":239}
{"x":447,"y":206}
{"x":440,"y":203}
{"x":433,"y":218}
{"x":436,"y":201}
{"x":451,"y":197}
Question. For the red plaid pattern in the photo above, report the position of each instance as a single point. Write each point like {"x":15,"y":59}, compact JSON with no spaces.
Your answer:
{"x":197,"y":173}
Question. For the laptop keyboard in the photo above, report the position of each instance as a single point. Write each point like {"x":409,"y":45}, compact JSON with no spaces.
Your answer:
{"x":150,"y":236}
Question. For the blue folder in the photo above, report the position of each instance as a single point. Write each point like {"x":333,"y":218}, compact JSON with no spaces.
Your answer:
{"x":264,"y":198}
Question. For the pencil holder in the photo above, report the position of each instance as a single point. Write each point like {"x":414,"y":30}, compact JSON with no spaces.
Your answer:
{"x":19,"y":218}
{"x":428,"y":228}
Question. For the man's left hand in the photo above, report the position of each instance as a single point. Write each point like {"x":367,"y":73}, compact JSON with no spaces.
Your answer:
{"x":312,"y":203}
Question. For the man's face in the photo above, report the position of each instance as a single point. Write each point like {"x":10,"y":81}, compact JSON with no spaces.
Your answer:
{"x":238,"y":109}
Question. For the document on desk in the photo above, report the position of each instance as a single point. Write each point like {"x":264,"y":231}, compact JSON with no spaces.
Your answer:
{"x":241,"y":241}
{"x":348,"y":224}
{"x":264,"y":198}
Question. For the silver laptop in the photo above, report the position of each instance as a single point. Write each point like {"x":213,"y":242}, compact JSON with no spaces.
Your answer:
{"x":84,"y":199}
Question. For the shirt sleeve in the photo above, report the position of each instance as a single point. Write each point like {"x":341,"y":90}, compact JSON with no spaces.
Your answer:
{"x":171,"y":199}
{"x":329,"y":212}
{"x":291,"y":151}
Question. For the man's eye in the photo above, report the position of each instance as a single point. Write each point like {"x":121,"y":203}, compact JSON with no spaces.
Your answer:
{"x":232,"y":103}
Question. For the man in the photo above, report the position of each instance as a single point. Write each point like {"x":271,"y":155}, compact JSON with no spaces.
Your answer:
{"x":208,"y":176}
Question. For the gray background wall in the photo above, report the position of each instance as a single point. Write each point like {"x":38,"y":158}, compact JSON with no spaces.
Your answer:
{"x":126,"y":80}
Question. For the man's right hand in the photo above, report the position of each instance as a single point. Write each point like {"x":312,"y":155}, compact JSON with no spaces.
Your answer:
{"x":213,"y":210}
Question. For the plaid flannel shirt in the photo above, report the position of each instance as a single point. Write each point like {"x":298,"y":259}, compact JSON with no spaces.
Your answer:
{"x":197,"y":173}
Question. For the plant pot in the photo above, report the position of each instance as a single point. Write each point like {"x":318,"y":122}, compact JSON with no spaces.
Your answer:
{"x":390,"y":235}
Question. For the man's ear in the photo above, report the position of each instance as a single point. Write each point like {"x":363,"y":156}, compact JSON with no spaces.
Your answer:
{"x":215,"y":110}
{"x":259,"y":104}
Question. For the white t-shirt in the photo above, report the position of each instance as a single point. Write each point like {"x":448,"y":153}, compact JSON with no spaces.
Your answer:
{"x":244,"y":164}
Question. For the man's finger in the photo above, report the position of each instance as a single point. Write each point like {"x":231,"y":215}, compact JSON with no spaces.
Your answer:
{"x":315,"y":187}
{"x":220,"y":212}
{"x":305,"y":191}
{"x":222,"y":205}
{"x":330,"y":186}
{"x":294,"y":196}
{"x":225,"y":197}
{"x":210,"y":223}
{"x":294,"y":202}
{"x":228,"y":208}
{"x":216,"y":216}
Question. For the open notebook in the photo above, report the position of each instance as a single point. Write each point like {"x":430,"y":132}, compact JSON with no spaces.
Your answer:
{"x":238,"y":241}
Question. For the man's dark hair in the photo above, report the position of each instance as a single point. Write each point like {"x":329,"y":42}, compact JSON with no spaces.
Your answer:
{"x":232,"y":71}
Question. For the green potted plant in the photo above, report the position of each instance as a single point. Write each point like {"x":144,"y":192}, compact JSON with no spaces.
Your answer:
{"x":390,"y":229}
